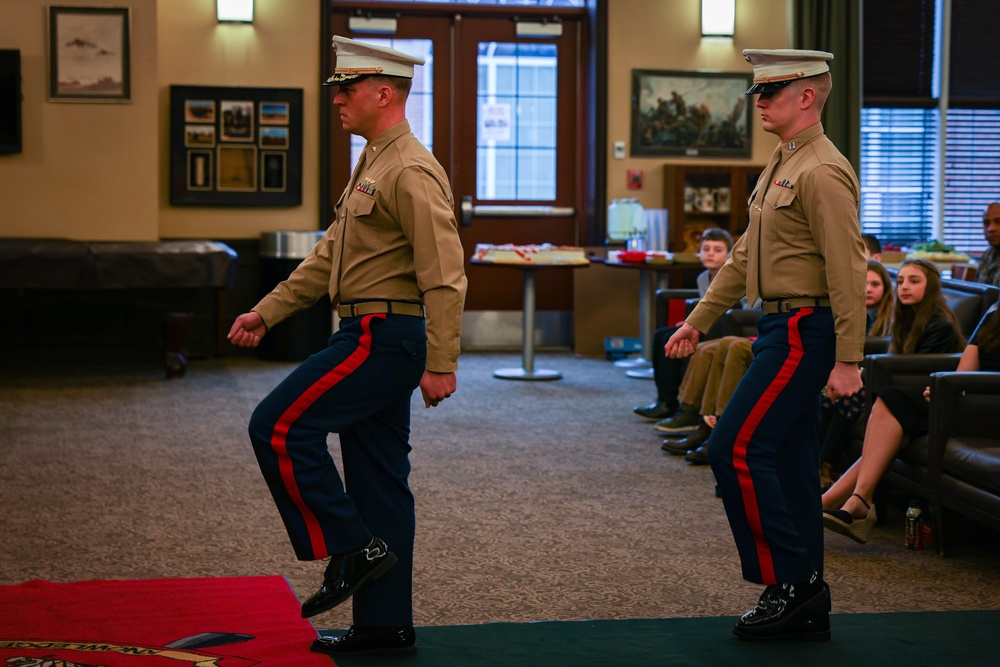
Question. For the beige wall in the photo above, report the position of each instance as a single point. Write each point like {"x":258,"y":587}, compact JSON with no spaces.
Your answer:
{"x":99,"y":171}
{"x":654,"y":34}
{"x":281,"y":49}
{"x":88,"y":171}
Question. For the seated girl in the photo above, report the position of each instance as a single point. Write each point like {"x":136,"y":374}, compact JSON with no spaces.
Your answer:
{"x":837,"y":416}
{"x":922,"y":324}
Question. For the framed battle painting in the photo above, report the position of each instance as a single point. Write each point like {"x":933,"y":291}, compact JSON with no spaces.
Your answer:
{"x":691,"y":114}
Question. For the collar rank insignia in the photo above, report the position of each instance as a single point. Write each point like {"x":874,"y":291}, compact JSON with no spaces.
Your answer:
{"x":784,"y":183}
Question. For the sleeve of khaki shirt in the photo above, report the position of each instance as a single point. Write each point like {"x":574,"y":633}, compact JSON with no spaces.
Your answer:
{"x":309,"y":281}
{"x":428,"y":220}
{"x":831,"y":200}
{"x":728,"y":287}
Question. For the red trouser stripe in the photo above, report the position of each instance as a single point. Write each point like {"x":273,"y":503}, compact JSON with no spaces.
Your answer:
{"x":743,"y":442}
{"x":280,"y":436}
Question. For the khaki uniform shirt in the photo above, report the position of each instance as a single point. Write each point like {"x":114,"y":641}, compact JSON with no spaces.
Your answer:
{"x":394,"y":237}
{"x":803,"y":240}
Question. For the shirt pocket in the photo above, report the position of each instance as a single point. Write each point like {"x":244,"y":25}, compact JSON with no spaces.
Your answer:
{"x":779,"y":219}
{"x":362,"y":228}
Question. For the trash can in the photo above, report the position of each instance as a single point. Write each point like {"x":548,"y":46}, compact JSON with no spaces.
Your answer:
{"x":307,"y":331}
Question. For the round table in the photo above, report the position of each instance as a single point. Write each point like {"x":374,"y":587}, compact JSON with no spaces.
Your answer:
{"x":527,"y":371}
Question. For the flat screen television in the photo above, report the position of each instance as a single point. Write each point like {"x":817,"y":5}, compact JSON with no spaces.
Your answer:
{"x":10,"y":101}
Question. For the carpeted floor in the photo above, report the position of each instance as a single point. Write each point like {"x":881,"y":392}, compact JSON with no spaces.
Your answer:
{"x":536,"y":501}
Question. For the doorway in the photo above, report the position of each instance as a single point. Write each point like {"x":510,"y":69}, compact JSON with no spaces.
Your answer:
{"x":500,"y":104}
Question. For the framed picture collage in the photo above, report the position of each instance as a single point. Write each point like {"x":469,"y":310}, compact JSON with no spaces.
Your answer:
{"x":235,"y":146}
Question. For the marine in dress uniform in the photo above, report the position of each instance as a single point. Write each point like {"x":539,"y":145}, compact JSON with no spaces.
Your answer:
{"x":803,"y":255}
{"x":393,"y":263}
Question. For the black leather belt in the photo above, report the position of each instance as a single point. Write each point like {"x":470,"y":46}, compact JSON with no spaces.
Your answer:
{"x":787,"y":305}
{"x":356,"y":308}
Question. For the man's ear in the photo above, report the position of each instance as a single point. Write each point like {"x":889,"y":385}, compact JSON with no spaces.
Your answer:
{"x":807,"y":95}
{"x":385,"y":95}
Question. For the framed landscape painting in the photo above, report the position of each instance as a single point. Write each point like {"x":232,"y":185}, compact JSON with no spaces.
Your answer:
{"x":89,"y":54}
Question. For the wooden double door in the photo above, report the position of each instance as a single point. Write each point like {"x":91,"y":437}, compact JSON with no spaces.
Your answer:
{"x":501,"y":112}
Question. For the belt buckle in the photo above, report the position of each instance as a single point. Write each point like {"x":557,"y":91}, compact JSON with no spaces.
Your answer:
{"x":354,"y":310}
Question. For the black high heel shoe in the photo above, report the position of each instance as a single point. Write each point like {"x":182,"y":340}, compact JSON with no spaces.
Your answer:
{"x":841,"y":521}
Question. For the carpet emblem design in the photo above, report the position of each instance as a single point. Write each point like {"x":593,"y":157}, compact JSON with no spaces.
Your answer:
{"x":182,"y":651}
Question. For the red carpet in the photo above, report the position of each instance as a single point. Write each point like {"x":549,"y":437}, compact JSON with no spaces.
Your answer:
{"x":207,"y":622}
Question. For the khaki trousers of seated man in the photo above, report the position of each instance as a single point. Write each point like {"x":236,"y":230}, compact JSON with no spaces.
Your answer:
{"x":711,"y":377}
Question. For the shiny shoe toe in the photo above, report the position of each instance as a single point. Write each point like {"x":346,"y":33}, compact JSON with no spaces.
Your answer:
{"x":683,"y":445}
{"x":790,"y":611}
{"x":656,"y":411}
{"x":676,"y":446}
{"x":698,"y":457}
{"x":369,"y":641}
{"x":346,"y":574}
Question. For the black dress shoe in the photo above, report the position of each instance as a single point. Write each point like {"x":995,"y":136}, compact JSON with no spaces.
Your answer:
{"x":699,"y":456}
{"x":682,"y":446}
{"x":789,"y":611}
{"x":659,"y":410}
{"x":346,"y":574}
{"x":369,"y":641}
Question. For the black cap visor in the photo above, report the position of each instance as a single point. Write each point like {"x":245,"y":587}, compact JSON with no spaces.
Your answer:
{"x":769,"y":87}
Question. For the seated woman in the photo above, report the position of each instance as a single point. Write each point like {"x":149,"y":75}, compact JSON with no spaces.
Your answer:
{"x":922,"y":324}
{"x":837,"y":416}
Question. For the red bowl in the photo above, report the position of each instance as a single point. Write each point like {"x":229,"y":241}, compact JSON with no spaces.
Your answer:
{"x":632,"y":257}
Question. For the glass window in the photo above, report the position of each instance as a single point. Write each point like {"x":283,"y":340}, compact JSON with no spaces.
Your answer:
{"x":516,"y":125}
{"x":916,"y":184}
{"x":898,"y":173}
{"x":420,"y":103}
{"x":972,"y":174}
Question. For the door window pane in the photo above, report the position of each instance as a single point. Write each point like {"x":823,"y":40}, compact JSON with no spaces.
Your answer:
{"x":516,"y":124}
{"x":420,"y":103}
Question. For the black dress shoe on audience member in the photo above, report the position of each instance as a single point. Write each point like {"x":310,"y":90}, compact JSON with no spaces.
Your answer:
{"x":789,"y":611}
{"x":693,"y":440}
{"x":657,"y":411}
{"x":699,"y":456}
{"x":347,"y":573}
{"x":369,"y":641}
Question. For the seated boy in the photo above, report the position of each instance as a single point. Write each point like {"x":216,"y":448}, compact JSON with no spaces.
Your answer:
{"x":716,"y":245}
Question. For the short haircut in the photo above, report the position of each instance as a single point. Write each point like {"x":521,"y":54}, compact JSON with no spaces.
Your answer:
{"x":400,"y":84}
{"x":718,"y":234}
{"x":872,"y":243}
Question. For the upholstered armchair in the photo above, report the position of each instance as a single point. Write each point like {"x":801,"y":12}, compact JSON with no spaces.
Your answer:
{"x":963,"y":449}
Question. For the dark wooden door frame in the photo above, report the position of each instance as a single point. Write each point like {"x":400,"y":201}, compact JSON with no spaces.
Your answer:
{"x":592,"y":102}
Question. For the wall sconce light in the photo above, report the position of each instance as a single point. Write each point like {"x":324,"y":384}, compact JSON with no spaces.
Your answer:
{"x":718,"y":18}
{"x":235,"y":11}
